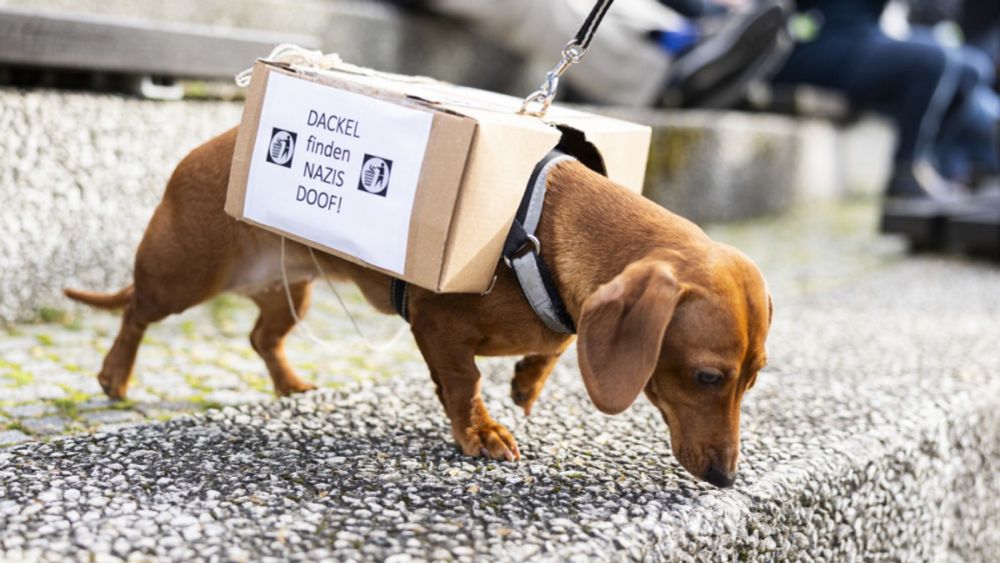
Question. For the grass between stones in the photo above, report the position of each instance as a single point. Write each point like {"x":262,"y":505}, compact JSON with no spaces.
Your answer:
{"x":15,"y":374}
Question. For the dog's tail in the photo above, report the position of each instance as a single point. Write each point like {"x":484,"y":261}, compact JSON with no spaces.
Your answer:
{"x":101,"y":300}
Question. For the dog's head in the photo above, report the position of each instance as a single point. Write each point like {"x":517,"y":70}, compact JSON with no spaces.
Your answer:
{"x":694,"y":346}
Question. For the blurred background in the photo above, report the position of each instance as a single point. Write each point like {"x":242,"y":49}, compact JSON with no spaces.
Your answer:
{"x":848,"y":146}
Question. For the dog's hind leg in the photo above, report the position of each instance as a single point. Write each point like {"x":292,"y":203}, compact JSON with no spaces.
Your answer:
{"x":530,"y":374}
{"x":120,"y":360}
{"x":268,"y":336}
{"x":149,"y":302}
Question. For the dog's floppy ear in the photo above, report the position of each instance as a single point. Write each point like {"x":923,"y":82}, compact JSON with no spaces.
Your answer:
{"x":621,"y":331}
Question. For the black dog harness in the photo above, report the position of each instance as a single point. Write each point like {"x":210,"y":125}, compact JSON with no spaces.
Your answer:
{"x":522,"y":252}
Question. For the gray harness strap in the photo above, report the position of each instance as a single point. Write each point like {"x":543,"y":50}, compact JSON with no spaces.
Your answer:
{"x":523,"y":251}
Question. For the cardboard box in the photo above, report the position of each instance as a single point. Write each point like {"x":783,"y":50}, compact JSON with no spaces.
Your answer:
{"x":415,"y":178}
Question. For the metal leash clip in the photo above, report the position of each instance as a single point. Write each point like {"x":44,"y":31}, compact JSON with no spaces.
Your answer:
{"x":572,"y":53}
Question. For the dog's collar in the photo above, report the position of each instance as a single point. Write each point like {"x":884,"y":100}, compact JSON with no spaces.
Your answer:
{"x":522,"y":252}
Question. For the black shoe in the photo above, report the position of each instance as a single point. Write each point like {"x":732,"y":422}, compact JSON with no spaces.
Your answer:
{"x":918,"y":203}
{"x":921,"y":181}
{"x":976,"y":230}
{"x":716,"y":72}
{"x":976,"y":233}
{"x":933,"y":214}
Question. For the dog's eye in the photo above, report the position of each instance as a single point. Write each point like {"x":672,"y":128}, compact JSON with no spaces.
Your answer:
{"x":709,"y":378}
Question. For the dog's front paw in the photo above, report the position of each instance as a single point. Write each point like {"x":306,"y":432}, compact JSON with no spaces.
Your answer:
{"x":490,"y":440}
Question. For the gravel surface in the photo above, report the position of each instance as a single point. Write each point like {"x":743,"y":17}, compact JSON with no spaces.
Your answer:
{"x":873,"y":435}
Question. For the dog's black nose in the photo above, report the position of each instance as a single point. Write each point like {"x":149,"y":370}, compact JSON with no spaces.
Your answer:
{"x":719,"y":478}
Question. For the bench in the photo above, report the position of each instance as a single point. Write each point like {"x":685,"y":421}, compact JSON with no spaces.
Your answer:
{"x":108,"y":52}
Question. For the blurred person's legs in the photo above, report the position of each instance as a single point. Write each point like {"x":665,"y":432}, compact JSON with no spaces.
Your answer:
{"x":911,"y":82}
{"x":743,"y":46}
{"x":981,"y":24}
{"x":969,"y":146}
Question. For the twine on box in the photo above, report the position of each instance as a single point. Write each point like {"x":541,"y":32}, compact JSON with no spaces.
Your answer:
{"x":388,"y":343}
{"x":294,"y":55}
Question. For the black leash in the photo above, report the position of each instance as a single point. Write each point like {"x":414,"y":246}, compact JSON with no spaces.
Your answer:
{"x":590,"y":25}
{"x":572,"y":53}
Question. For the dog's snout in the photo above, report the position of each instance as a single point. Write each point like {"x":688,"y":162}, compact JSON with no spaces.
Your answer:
{"x":719,"y":477}
{"x":721,"y":471}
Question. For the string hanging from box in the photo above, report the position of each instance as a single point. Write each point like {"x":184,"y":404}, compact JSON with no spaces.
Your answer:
{"x":295,"y":55}
{"x":538,"y":102}
{"x":357,"y":328}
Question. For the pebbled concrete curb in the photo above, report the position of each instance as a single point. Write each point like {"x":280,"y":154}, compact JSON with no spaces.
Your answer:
{"x":725,"y":166}
{"x":873,"y":436}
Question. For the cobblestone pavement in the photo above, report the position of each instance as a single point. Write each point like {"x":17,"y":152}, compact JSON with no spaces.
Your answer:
{"x":873,"y":435}
{"x":195,"y":361}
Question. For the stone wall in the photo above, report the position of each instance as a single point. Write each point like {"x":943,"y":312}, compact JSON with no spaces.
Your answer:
{"x":723,"y":166}
{"x":79,"y":177}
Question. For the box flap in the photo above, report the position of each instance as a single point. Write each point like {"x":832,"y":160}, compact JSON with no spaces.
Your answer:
{"x":245,"y":139}
{"x":500,"y":164}
{"x":624,"y":146}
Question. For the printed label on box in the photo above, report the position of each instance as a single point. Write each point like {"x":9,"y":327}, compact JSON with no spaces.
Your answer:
{"x":337,"y":168}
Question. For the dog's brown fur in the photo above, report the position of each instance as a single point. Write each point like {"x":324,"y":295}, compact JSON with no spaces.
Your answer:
{"x":655,"y":300}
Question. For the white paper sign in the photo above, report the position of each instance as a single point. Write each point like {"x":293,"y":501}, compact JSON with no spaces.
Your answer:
{"x":337,"y":168}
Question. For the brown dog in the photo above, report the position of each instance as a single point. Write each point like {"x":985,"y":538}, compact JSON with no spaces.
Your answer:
{"x":660,"y":308}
